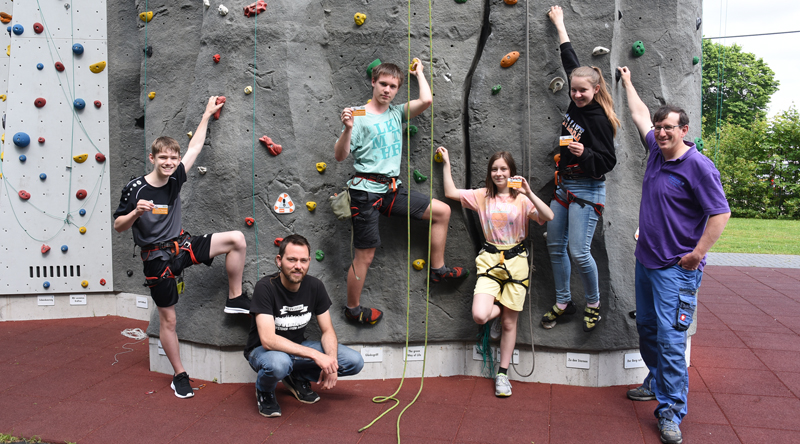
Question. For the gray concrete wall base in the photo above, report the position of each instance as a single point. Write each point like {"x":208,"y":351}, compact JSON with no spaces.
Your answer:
{"x":26,"y":307}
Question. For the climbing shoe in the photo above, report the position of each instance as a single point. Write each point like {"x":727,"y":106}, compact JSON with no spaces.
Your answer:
{"x":641,"y":393}
{"x":670,"y":432}
{"x":238,"y":305}
{"x":502,"y":388}
{"x":267,"y":404}
{"x":446,"y":273}
{"x":301,"y":390}
{"x":180,"y":385}
{"x":368,"y":316}
{"x":591,"y":317}
{"x":549,"y":318}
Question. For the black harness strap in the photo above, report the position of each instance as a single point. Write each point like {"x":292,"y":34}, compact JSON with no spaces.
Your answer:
{"x":507,"y":254}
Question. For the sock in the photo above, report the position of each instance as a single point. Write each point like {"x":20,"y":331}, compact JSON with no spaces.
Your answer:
{"x":561,"y":306}
{"x":594,"y":305}
{"x":354,"y":311}
{"x":440,"y":270}
{"x":502,"y":371}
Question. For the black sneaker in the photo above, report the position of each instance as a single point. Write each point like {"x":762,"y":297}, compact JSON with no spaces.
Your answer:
{"x":301,"y":390}
{"x":549,"y":320}
{"x":591,"y":317}
{"x":267,"y":404}
{"x":238,"y":305}
{"x":448,"y":273}
{"x":180,"y":384}
{"x":368,"y":316}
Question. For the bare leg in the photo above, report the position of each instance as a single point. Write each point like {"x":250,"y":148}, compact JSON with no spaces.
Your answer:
{"x":169,"y":338}
{"x":440,"y":212}
{"x":361,"y":262}
{"x":483,"y":308}
{"x":233,"y":245}
{"x":509,"y":336}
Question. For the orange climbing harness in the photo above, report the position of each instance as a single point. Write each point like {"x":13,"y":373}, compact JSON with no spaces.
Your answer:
{"x":174,"y":247}
{"x":379,"y":178}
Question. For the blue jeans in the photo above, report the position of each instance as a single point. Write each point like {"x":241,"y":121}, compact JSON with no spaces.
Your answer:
{"x":574,"y":227}
{"x":665,"y":304}
{"x":273,"y":366}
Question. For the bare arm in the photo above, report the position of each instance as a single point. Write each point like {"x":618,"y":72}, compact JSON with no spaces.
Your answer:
{"x":543,"y":211}
{"x":271,"y":341}
{"x":341,"y":149}
{"x":450,"y":190}
{"x":330,"y":344}
{"x":199,"y":137}
{"x":639,"y":111}
{"x":711,"y":234}
{"x":126,"y":221}
{"x":417,"y":106}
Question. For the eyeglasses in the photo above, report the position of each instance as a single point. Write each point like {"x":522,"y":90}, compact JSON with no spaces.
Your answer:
{"x":668,"y":128}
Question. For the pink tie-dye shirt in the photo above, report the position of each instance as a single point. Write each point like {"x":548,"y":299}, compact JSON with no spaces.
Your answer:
{"x":503,"y":218}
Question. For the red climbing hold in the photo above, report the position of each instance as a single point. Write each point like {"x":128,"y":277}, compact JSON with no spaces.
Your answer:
{"x":102,"y":281}
{"x":39,"y":102}
{"x":38,"y":28}
{"x":273,"y":148}
{"x":81,"y":194}
{"x":59,"y":66}
{"x":278,"y":241}
{"x":216,"y":58}
{"x":24,"y":195}
{"x":249,"y":221}
{"x":220,"y":99}
{"x":98,"y":104}
{"x":45,"y":248}
{"x":100,"y":157}
{"x":256,"y":8}
{"x":41,"y":140}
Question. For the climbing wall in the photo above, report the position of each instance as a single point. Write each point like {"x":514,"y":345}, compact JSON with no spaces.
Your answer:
{"x":54,"y":200}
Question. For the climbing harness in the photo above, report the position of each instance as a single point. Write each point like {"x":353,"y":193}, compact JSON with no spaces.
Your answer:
{"x":378,"y":178}
{"x":174,"y":248}
{"x":512,"y":252}
{"x":571,"y":172}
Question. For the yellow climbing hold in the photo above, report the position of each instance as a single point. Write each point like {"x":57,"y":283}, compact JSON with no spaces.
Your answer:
{"x":248,"y":89}
{"x":80,"y":158}
{"x":418,"y":264}
{"x":359,"y":18}
{"x":8,"y":50}
{"x":152,"y":95}
{"x":321,"y":166}
{"x":97,"y":67}
{"x":3,"y":96}
{"x":413,"y":65}
{"x":146,"y":16}
{"x":2,"y":139}
{"x":84,"y":284}
{"x":190,"y":134}
{"x":82,"y":230}
{"x":438,"y":157}
{"x":311,"y":206}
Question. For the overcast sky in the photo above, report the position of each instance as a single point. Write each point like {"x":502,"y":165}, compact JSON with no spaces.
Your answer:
{"x":780,"y":52}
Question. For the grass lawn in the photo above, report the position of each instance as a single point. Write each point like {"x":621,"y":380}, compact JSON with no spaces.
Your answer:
{"x":764,"y":236}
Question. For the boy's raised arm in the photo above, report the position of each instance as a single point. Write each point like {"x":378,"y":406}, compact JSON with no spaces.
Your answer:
{"x":417,"y":106}
{"x":199,"y":137}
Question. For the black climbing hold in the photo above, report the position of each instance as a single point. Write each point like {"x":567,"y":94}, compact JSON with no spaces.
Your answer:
{"x":140,"y":122}
{"x":697,"y":23}
{"x":129,"y":273}
{"x":619,"y":15}
{"x":618,"y":75}
{"x":148,"y":51}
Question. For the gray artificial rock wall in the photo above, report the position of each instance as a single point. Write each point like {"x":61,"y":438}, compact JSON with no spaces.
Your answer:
{"x":309,"y":62}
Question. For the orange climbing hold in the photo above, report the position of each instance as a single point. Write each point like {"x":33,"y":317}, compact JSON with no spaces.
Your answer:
{"x":511,"y":2}
{"x":45,"y":248}
{"x":278,"y":241}
{"x":220,"y":99}
{"x":81,"y":194}
{"x":273,"y":147}
{"x":24,"y":195}
{"x":5,"y":17}
{"x":255,"y":9}
{"x":509,"y":59}
{"x":100,"y":157}
{"x":216,"y":58}
{"x":249,"y":221}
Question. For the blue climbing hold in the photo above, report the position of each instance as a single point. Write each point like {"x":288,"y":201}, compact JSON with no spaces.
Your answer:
{"x":43,"y":176}
{"x":46,"y":284}
{"x":77,"y":49}
{"x":39,"y":66}
{"x":79,"y":104}
{"x":9,"y":29}
{"x":22,"y":158}
{"x":18,"y":29}
{"x":64,"y":248}
{"x":22,"y":140}
{"x":82,"y":212}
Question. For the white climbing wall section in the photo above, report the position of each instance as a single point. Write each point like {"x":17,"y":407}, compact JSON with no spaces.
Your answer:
{"x":55,"y":235}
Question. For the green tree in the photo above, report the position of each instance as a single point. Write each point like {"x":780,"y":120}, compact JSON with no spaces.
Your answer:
{"x":738,"y":82}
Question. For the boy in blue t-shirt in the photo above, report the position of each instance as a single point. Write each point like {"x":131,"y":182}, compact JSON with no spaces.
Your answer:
{"x":375,"y":138}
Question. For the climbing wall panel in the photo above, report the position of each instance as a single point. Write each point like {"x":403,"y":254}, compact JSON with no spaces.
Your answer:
{"x":54,"y":194}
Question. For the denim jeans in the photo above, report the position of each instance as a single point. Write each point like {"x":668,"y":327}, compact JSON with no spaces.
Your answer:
{"x":574,"y":228}
{"x":272,"y":366}
{"x":665,"y":298}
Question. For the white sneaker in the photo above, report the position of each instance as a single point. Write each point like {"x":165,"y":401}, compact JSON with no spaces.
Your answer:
{"x":502,"y":388}
{"x":497,"y":329}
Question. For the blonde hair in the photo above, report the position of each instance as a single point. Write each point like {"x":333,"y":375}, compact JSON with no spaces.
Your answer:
{"x":602,"y":97}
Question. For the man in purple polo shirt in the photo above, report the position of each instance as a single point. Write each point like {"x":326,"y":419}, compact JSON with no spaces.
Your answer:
{"x":682,"y":214}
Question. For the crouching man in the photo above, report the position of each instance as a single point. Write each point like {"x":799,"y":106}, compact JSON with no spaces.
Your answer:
{"x":277,"y":349}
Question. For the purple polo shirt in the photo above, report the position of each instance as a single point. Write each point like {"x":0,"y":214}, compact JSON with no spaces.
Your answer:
{"x":678,"y":196}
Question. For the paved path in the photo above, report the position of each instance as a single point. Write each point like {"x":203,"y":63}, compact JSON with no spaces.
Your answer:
{"x":754,"y":260}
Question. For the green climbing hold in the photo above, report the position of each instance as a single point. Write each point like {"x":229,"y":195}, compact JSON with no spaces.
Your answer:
{"x":375,"y":63}
{"x":638,"y":48}
{"x":496,"y":89}
{"x":695,"y":60}
{"x":698,"y":142}
{"x":419,"y":177}
{"x":320,"y":255}
{"x":461,"y":1}
{"x":412,"y":130}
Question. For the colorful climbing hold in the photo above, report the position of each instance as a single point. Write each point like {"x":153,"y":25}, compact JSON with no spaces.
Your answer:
{"x":79,"y":104}
{"x":496,"y":89}
{"x":278,"y":241}
{"x":82,"y":212}
{"x":600,"y":50}
{"x":64,"y":248}
{"x":190,"y":134}
{"x":284,"y":204}
{"x":322,"y":166}
{"x":81,"y":194}
{"x":461,"y":1}
{"x":18,"y":29}
{"x":320,"y":255}
{"x":438,"y":157}
{"x":24,"y":195}
{"x":41,"y":140}
{"x":82,"y":230}
{"x":202,"y":170}
{"x":556,"y":84}
{"x":220,"y":99}
{"x":413,"y":65}
{"x":3,"y":97}
{"x":59,"y":66}
{"x":152,"y":95}
{"x":418,"y":264}
{"x":256,"y":8}
{"x":46,"y":284}
{"x":311,"y":206}
{"x":39,"y":66}
{"x":359,"y":18}
{"x":84,"y":284}
{"x":216,"y":58}
{"x":8,"y":50}
{"x":695,"y":60}
{"x":42,"y":176}
{"x":22,"y":158}
{"x":372,"y":65}
{"x":511,"y":2}
{"x":412,"y":130}
{"x":21,"y":140}
{"x":249,"y":221}
{"x":419,"y":177}
{"x":146,"y":16}
{"x":509,"y":59}
{"x":699,"y":144}
{"x":248,"y":89}
{"x":97,"y":67}
{"x":98,"y":104}
{"x":638,"y":48}
{"x":38,"y":28}
{"x":272,"y":147}
{"x":100,"y":157}
{"x":77,"y":49}
{"x":222,"y":10}
{"x":80,"y":158}
{"x":39,"y":102}
{"x":102,"y":282}
{"x":5,"y":17}
{"x":45,"y":248}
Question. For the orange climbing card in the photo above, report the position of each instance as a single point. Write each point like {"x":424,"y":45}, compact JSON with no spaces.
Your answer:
{"x":514,"y":183}
{"x":564,"y":140}
{"x":359,"y":111}
{"x":161,"y":209}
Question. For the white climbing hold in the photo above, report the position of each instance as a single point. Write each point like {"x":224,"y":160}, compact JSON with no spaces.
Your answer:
{"x":222,"y":10}
{"x":202,"y":170}
{"x":206,"y":3}
{"x":600,"y":50}
{"x":556,"y":84}
{"x":284,"y":204}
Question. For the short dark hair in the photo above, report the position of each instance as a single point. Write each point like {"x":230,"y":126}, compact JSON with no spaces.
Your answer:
{"x":663,"y":112}
{"x":389,"y":69}
{"x":295,"y":239}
